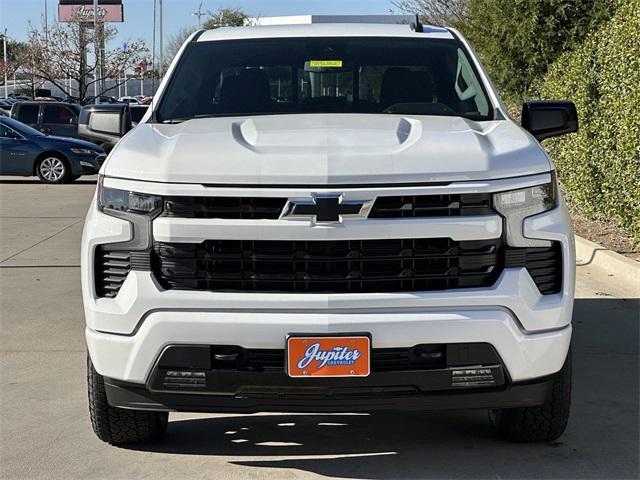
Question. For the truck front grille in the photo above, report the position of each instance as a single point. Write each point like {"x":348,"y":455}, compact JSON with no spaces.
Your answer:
{"x":350,"y":266}
{"x":432,"y":205}
{"x":270,"y":208}
{"x":239,"y":208}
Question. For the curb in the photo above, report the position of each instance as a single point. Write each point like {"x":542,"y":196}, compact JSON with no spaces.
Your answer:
{"x":590,"y":253}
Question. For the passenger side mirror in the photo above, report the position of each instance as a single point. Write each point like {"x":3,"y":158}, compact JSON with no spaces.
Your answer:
{"x":104,"y":122}
{"x":549,"y":118}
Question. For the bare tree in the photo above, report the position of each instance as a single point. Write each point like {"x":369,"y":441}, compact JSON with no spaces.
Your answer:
{"x":15,"y":51}
{"x":176,"y":41}
{"x":224,"y":17}
{"x":63,"y":53}
{"x":436,"y":12}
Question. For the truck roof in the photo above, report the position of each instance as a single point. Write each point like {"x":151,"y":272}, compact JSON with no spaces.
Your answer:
{"x":323,"y":30}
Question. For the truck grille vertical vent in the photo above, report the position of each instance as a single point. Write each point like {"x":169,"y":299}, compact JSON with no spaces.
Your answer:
{"x":111,"y":269}
{"x":544,"y":264}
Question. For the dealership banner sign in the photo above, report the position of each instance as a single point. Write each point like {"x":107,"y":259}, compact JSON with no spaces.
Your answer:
{"x":82,"y":10}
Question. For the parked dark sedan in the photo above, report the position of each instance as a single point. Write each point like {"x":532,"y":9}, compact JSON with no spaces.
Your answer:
{"x":25,"y":151}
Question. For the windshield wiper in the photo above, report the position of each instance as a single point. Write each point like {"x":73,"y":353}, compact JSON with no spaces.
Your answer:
{"x":221,"y":115}
{"x":176,"y":120}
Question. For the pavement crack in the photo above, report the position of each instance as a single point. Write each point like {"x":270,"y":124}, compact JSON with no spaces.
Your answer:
{"x":39,"y":266}
{"x":41,"y":241}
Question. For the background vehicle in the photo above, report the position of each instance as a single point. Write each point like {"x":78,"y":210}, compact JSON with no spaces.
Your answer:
{"x":6,"y":105}
{"x":350,"y":193}
{"x":51,"y":118}
{"x":130,"y":100}
{"x":25,"y":151}
{"x":99,"y":100}
{"x":106,"y":140}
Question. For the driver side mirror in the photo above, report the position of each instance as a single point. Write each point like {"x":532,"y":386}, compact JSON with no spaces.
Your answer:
{"x":549,"y":118}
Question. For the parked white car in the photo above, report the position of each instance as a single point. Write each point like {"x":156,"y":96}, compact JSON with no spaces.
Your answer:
{"x":329,"y":217}
{"x":130,"y":100}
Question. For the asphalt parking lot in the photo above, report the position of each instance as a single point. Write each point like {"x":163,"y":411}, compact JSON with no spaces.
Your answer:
{"x":44,"y":423}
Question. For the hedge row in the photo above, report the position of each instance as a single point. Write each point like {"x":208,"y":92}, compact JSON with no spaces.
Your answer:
{"x":599,"y":167}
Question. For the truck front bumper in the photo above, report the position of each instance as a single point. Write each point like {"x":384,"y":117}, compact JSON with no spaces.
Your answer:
{"x":334,"y":400}
{"x":525,"y":355}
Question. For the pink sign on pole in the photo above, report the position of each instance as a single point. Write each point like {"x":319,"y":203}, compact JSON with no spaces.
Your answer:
{"x":84,"y":13}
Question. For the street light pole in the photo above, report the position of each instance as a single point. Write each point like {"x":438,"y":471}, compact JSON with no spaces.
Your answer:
{"x":199,"y":14}
{"x":4,"y":52}
{"x":46,"y":23}
{"x":96,"y":47}
{"x":161,"y":49}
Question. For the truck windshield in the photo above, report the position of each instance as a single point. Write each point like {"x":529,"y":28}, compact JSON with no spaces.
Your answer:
{"x":324,"y":75}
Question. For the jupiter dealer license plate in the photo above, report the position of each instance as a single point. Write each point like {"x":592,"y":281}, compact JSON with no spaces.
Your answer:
{"x":328,"y":356}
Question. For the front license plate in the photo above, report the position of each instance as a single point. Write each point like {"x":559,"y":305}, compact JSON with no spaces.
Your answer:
{"x":346,"y":356}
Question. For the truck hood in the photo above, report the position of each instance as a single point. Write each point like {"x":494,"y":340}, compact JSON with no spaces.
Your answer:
{"x":326,"y":149}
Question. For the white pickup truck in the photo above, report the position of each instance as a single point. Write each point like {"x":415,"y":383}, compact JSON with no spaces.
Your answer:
{"x":328,"y":217}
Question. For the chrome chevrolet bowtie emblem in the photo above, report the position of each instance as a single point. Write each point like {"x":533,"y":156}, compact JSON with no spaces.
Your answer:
{"x":326,"y":208}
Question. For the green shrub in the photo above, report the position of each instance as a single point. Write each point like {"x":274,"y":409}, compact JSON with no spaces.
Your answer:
{"x":599,"y":167}
{"x":518,"y":39}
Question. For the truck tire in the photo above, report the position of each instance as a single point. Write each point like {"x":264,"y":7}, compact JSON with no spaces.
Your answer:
{"x":542,"y":423}
{"x":118,"y":425}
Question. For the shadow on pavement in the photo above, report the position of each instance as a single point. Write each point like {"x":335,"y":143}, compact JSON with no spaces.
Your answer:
{"x":600,"y":442}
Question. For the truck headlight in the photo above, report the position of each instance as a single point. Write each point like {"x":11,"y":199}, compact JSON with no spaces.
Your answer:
{"x":139,"y":209}
{"x":115,"y":200}
{"x":516,"y":205}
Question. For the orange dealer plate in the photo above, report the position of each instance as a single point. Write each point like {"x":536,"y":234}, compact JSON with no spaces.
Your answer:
{"x":347,"y":356}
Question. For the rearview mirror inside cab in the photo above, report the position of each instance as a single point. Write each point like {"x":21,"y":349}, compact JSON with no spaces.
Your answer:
{"x":549,"y":118}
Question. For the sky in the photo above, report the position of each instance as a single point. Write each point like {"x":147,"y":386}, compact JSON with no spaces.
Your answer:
{"x":15,"y":15}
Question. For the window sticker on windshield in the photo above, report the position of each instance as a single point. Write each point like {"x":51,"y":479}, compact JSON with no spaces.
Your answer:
{"x":325,"y":63}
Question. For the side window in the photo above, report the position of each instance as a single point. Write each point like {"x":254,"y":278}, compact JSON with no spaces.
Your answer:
{"x":28,"y":114}
{"x":57,"y":114}
{"x":467,"y":85}
{"x":4,"y":132}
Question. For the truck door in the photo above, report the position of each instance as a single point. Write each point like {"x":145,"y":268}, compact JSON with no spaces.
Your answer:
{"x":59,"y":120}
{"x":27,"y":114}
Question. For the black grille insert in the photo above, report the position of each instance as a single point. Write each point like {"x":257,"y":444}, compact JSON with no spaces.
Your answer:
{"x":348,"y":266}
{"x":419,"y":357}
{"x":261,"y":208}
{"x":111,"y":269}
{"x":544,"y":264}
{"x":432,"y":205}
{"x":241,"y":208}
